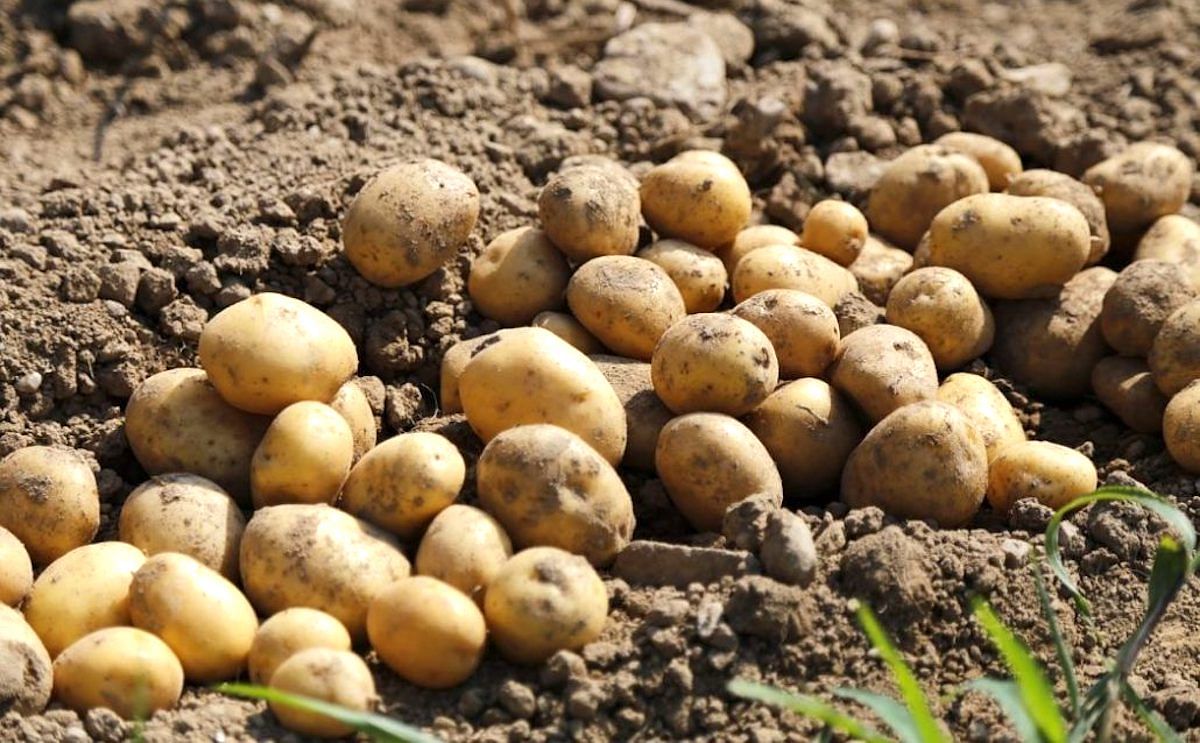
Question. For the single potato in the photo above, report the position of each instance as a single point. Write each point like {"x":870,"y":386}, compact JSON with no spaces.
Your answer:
{"x":518,"y":275}
{"x":565,"y":326}
{"x":464,"y":547}
{"x":856,"y":312}
{"x":752,"y":238}
{"x":1126,"y":387}
{"x":714,"y":362}
{"x":836,"y":230}
{"x":1174,"y":239}
{"x":1181,"y":428}
{"x":1001,"y":162}
{"x":882,"y":368}
{"x":289,"y":632}
{"x":26,"y":674}
{"x":916,"y":186}
{"x":1053,"y":474}
{"x":801,"y":328}
{"x":454,"y":361}
{"x":1140,"y":301}
{"x":336,"y":676}
{"x":626,"y":302}
{"x":645,"y":414}
{"x":1175,"y":355}
{"x":1146,"y":181}
{"x":986,"y":408}
{"x":942,"y":307}
{"x":699,"y":275}
{"x":589,"y":212}
{"x":1063,"y":187}
{"x":304,"y":457}
{"x":125,"y":669}
{"x":700,"y":198}
{"x":878,"y":267}
{"x":352,"y":404}
{"x":16,"y":570}
{"x":49,"y":501}
{"x":786,"y":267}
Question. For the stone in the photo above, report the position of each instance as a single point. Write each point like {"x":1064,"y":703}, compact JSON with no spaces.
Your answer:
{"x":649,"y":563}
{"x":787,"y":553}
{"x":672,"y":64}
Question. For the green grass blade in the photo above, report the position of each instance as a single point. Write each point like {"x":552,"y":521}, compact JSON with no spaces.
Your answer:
{"x":1060,"y":643}
{"x":1092,"y":711}
{"x":1172,"y":567}
{"x":910,"y":690}
{"x":808,"y":707}
{"x":894,"y":714}
{"x":1008,"y":696}
{"x":1149,"y":717}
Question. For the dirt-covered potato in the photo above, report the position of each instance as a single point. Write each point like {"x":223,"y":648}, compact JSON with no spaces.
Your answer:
{"x":626,"y":302}
{"x":986,"y":407}
{"x":544,"y":600}
{"x":882,"y":368}
{"x":942,"y":307}
{"x":1001,"y":162}
{"x":1055,"y":185}
{"x":48,"y":500}
{"x":1175,"y":355}
{"x":714,"y":362}
{"x":697,"y":197}
{"x":1126,"y":387}
{"x":1181,"y":428}
{"x":303,"y":457}
{"x":463,"y":547}
{"x":287,"y":633}
{"x":699,"y":275}
{"x":916,"y":186}
{"x":269,"y":351}
{"x":786,"y":267}
{"x":1053,"y":474}
{"x":924,"y":461}
{"x":519,"y":274}
{"x":878,"y":267}
{"x":645,"y":414}
{"x":319,"y":557}
{"x":752,"y":238}
{"x":1174,"y":239}
{"x":336,"y":676}
{"x":1146,"y":181}
{"x":427,"y":631}
{"x":177,"y":598}
{"x":531,"y":375}
{"x":588,"y":212}
{"x":1011,"y":247}
{"x":1140,"y":301}
{"x":565,"y":326}
{"x":404,"y":482}
{"x":921,"y":256}
{"x":408,"y":221}
{"x":16,"y":570}
{"x":836,"y":230}
{"x":26,"y":674}
{"x":1051,"y":345}
{"x":801,"y":328}
{"x":708,"y":462}
{"x":549,"y":488}
{"x":125,"y":669}
{"x":855,"y":312}
{"x":809,"y":430}
{"x":352,"y":404}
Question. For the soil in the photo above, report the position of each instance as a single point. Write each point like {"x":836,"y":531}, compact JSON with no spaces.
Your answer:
{"x":163,"y":160}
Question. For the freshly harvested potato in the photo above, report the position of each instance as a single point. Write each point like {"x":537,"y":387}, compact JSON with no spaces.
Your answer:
{"x":1181,"y":428}
{"x":1174,"y":239}
{"x":351,"y":403}
{"x":752,"y":238}
{"x":464,"y":547}
{"x":916,"y":186}
{"x":1053,"y":474}
{"x":454,"y":361}
{"x":809,"y":430}
{"x":1051,"y":345}
{"x":176,"y":598}
{"x":177,"y":422}
{"x":786,"y":267}
{"x":878,"y":267}
{"x":1175,"y":356}
{"x":319,"y":557}
{"x":49,"y":501}
{"x":1001,"y":162}
{"x":569,"y":329}
{"x":603,"y":162}
{"x":125,"y":669}
{"x":404,"y":482}
{"x":1011,"y":247}
{"x":714,"y":362}
{"x":16,"y":571}
{"x":269,"y":351}
{"x":1063,"y":187}
{"x":1146,"y":181}
{"x":26,"y":674}
{"x":408,"y":221}
{"x":544,"y":600}
{"x":855,"y":312}
{"x":698,"y":197}
{"x":303,"y":457}
{"x":836,"y":230}
{"x":1126,"y":387}
{"x":882,"y":368}
{"x":1140,"y":301}
{"x":82,"y":591}
{"x":942,"y":307}
{"x":549,"y":488}
{"x":645,"y":414}
{"x":186,"y":514}
{"x":427,"y":631}
{"x":921,"y":256}
{"x":289,"y":632}
{"x":708,"y":462}
{"x":336,"y":676}
{"x":986,"y":408}
{"x":924,"y":461}
{"x":588,"y":212}
{"x":531,"y":375}
{"x":518,"y":275}
{"x":626,"y":302}
{"x":801,"y":328}
{"x":699,"y":275}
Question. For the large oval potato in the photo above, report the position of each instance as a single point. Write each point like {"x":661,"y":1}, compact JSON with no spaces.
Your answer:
{"x":49,"y":501}
{"x":336,"y":676}
{"x":287,"y":633}
{"x":519,"y":274}
{"x":1138,"y":303}
{"x":802,"y":329}
{"x":882,"y":368}
{"x":589,"y":212}
{"x":916,"y":186}
{"x":464,"y":547}
{"x":352,"y":404}
{"x":1181,"y":428}
{"x":26,"y":674}
{"x":645,"y":414}
{"x":878,"y":267}
{"x":16,"y":570}
{"x":1126,"y":387}
{"x":1146,"y":181}
{"x":787,"y":267}
{"x":698,"y":197}
{"x":942,"y":307}
{"x":1174,"y":239}
{"x":987,"y":409}
{"x":1175,"y":355}
{"x":1001,"y":162}
{"x":565,"y":326}
{"x":699,"y":275}
{"x":1052,"y":474}
{"x":836,"y":230}
{"x":304,"y":457}
{"x":1063,"y":187}
{"x":626,"y":302}
{"x":714,"y":362}
{"x":125,"y":669}
{"x":752,"y":238}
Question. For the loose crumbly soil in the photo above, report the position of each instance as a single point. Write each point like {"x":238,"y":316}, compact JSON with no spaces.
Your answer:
{"x":158,"y":166}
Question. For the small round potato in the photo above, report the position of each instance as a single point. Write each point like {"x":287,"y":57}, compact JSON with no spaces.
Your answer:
{"x":1126,"y":387}
{"x":125,"y":669}
{"x":463,"y":547}
{"x":1174,"y":239}
{"x":1181,"y":428}
{"x":336,"y":676}
{"x":49,"y":501}
{"x":569,"y":329}
{"x":26,"y":674}
{"x":786,"y":267}
{"x":1139,"y":302}
{"x":752,"y":238}
{"x":916,"y":186}
{"x":408,"y":221}
{"x":589,"y":212}
{"x":269,"y":351}
{"x":303,"y":457}
{"x":518,"y":275}
{"x":626,"y":302}
{"x":1053,"y":474}
{"x":878,"y":267}
{"x":945,"y":311}
{"x":544,"y":600}
{"x":698,"y":274}
{"x":1063,"y":187}
{"x":700,"y":198}
{"x":924,"y":461}
{"x":882,"y":368}
{"x":836,"y":230}
{"x":708,"y":462}
{"x":548,"y":487}
{"x":999,"y":161}
{"x":987,"y":409}
{"x":427,"y":631}
{"x":352,"y":404}
{"x":645,"y":414}
{"x":16,"y":570}
{"x":1175,"y":356}
{"x":801,"y":328}
{"x":1146,"y":181}
{"x":289,"y":632}
{"x":404,"y":482}
{"x":714,"y":362}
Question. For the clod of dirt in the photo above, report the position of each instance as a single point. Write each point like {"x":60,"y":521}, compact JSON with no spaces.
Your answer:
{"x":787,"y":553}
{"x":888,"y":570}
{"x":746,"y":521}
{"x":663,"y":564}
{"x":768,"y":609}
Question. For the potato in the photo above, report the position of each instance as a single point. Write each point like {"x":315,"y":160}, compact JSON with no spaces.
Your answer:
{"x":548,"y":487}
{"x":921,"y":256}
{"x":519,"y":274}
{"x":1181,"y":428}
{"x":1011,"y":247}
{"x":785,"y":267}
{"x":544,"y":600}
{"x":569,"y":329}
{"x":626,"y":302}
{"x":916,"y":186}
{"x":176,"y":422}
{"x":269,"y":351}
{"x":855,"y":312}
{"x":464,"y":547}
{"x":836,"y":230}
{"x":589,"y":212}
{"x":603,"y":162}
{"x":404,"y":482}
{"x":708,"y":462}
{"x":645,"y":414}
{"x":1175,"y":356}
{"x":176,"y":598}
{"x":752,"y":238}
{"x":1051,"y":345}
{"x":427,"y":631}
{"x":1053,"y":474}
{"x":986,"y":408}
{"x":351,"y":403}
{"x":1139,"y":302}
{"x":287,"y":633}
{"x":454,"y":361}
{"x":84,"y":590}
{"x":319,"y":557}
{"x":882,"y":368}
{"x":924,"y":461}
{"x":801,"y":328}
{"x":1146,"y":181}
{"x":942,"y":307}
{"x":1126,"y":387}
{"x":408,"y":221}
{"x":336,"y":676}
{"x":878,"y":267}
{"x":125,"y":669}
{"x":1063,"y":187}
{"x":1174,"y":239}
{"x":186,"y":514}
{"x":700,"y":198}
{"x":26,"y":676}
{"x":699,"y":275}
{"x":809,"y":430}
{"x":1001,"y":162}
{"x":532,"y":376}
{"x":714,"y":362}
{"x":303,"y":457}
{"x":49,"y":501}
{"x":16,"y":570}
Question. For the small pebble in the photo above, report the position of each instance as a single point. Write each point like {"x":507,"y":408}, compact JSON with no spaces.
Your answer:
{"x":28,"y":384}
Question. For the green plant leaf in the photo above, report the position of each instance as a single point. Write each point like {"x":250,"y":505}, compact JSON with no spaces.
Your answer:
{"x":1172,"y":566}
{"x":894,"y":714}
{"x":1149,"y":717}
{"x":1060,"y":642}
{"x":910,"y":690}
{"x":808,"y":707}
{"x":1008,"y":696}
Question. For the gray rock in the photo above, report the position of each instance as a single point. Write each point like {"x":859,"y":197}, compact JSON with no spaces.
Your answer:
{"x":661,"y":564}
{"x":734,"y":37}
{"x":1051,"y":78}
{"x":853,"y":174}
{"x":787,"y":553}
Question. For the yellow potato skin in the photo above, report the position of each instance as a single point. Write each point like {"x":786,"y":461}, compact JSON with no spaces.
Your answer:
{"x":945,"y":311}
{"x":1001,"y":162}
{"x":464,"y":547}
{"x":304,"y":457}
{"x":519,"y":274}
{"x":1146,"y":181}
{"x":882,"y":368}
{"x":1181,"y":428}
{"x":836,"y":230}
{"x":589,"y":212}
{"x":1174,"y":239}
{"x":787,"y":267}
{"x":714,"y":362}
{"x":698,"y":274}
{"x":752,"y":238}
{"x":916,"y":186}
{"x":454,"y":361}
{"x":1061,"y":186}
{"x":16,"y":569}
{"x":699,"y":198}
{"x":336,"y":676}
{"x":1175,"y":356}
{"x":801,"y":328}
{"x":1135,"y":307}
{"x":125,"y":669}
{"x":287,"y":633}
{"x":26,"y":674}
{"x":569,"y":329}
{"x":1053,"y":474}
{"x":1126,"y":387}
{"x":626,"y":302}
{"x":351,"y":403}
{"x":49,"y":501}
{"x":987,"y":409}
